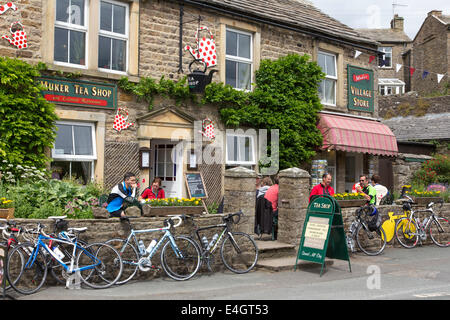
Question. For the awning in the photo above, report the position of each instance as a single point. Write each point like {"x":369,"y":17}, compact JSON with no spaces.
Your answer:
{"x":353,"y":134}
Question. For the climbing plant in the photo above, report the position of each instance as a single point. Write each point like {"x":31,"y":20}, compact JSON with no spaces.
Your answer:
{"x":27,"y":126}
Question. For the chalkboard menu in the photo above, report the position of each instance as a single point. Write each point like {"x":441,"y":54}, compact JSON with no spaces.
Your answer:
{"x":195,"y":185}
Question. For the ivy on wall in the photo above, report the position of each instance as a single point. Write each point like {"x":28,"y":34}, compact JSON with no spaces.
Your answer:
{"x":285,"y":97}
{"x":27,"y":126}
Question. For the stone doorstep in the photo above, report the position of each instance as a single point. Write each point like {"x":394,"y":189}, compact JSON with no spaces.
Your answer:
{"x":287,"y":263}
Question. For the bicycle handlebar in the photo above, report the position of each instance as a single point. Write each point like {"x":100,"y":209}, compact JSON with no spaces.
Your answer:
{"x":180,"y":219}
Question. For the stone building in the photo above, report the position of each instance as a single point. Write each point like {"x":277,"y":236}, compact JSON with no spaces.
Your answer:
{"x":430,"y":53}
{"x":89,"y":46}
{"x":393,"y":43}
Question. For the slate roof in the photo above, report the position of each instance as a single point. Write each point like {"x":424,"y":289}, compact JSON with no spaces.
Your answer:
{"x":385,"y":35}
{"x":294,"y":13}
{"x":429,"y":127}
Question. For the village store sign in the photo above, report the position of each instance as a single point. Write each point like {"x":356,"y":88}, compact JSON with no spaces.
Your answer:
{"x":79,"y":93}
{"x":360,"y":89}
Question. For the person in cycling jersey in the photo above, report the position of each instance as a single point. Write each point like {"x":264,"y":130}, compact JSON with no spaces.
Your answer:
{"x":368,"y":189}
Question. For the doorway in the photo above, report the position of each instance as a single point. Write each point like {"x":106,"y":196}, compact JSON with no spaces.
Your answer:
{"x":167,"y":158}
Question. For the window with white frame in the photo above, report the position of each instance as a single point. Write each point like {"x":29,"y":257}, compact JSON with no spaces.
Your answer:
{"x":327,"y":88}
{"x":386,"y":60}
{"x":240,"y":149}
{"x":113,"y":36}
{"x":239,"y":59}
{"x":391,"y":86}
{"x":70,"y":32}
{"x":74,"y":151}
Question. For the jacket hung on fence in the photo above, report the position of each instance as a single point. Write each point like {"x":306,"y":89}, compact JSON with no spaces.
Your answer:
{"x":263,"y":216}
{"x":117,"y":195}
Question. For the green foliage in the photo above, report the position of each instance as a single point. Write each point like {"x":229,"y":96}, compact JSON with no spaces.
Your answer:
{"x":28,"y":126}
{"x":285,"y":98}
{"x":51,"y":198}
{"x":436,"y":170}
{"x":148,"y":88}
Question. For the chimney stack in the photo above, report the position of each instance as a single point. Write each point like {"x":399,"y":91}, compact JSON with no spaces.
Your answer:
{"x":397,"y":23}
{"x":437,"y":13}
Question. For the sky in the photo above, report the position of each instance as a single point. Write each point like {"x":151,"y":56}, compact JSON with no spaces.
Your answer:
{"x":378,"y":14}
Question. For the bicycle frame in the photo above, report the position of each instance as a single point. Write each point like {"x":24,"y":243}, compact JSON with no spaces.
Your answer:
{"x":40,"y":243}
{"x":224,"y":231}
{"x":167,"y":235}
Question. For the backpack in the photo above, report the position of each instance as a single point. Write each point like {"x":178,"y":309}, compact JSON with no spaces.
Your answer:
{"x":374,"y":219}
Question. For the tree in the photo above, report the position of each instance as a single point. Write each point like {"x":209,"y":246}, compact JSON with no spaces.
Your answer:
{"x":27,"y":125}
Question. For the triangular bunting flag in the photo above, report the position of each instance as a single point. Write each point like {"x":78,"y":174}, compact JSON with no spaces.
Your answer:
{"x":425,"y":74}
{"x":411,"y":70}
{"x":439,"y":77}
{"x":357,"y":53}
{"x":399,"y":66}
{"x":371,"y":59}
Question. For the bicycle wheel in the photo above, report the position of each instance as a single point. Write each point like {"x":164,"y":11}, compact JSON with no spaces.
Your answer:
{"x":239,"y":252}
{"x":440,"y":232}
{"x":26,"y":268}
{"x":371,"y":243}
{"x":130,"y":259}
{"x":180,"y":263}
{"x":406,"y":232}
{"x":100,"y":264}
{"x":56,"y":270}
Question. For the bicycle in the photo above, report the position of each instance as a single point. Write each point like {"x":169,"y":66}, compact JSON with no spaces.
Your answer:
{"x":371,"y":242}
{"x":98,"y":265}
{"x":238,"y":251}
{"x":180,"y":256}
{"x":410,"y":230}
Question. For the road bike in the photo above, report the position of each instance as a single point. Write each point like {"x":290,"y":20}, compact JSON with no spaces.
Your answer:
{"x":371,"y":242}
{"x":409,"y":230}
{"x":238,"y":250}
{"x":98,"y":265}
{"x":180,"y":256}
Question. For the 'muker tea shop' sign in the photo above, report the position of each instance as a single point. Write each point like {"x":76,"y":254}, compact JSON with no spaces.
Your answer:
{"x":79,"y":93}
{"x":360,"y":89}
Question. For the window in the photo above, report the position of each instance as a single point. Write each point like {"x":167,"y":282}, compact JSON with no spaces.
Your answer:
{"x":113,"y":36}
{"x":391,"y":86}
{"x":70,"y":32}
{"x":238,"y":61}
{"x":74,"y":151}
{"x":386,"y":60}
{"x":165,"y":162}
{"x":240,"y":150}
{"x":327,"y":88}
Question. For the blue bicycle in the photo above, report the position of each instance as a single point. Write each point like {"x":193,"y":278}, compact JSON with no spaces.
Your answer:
{"x":180,"y":256}
{"x":98,"y":265}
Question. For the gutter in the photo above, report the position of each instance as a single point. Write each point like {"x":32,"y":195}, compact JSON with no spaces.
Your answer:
{"x":276,"y":24}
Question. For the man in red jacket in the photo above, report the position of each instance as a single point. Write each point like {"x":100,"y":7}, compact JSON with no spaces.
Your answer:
{"x":324,"y":187}
{"x":153,"y":192}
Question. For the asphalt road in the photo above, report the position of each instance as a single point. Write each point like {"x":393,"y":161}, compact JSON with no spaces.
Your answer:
{"x":398,"y":274}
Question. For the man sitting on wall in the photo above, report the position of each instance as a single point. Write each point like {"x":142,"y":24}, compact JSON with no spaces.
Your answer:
{"x":365,"y":187}
{"x":323,"y":188}
{"x":382,"y":191}
{"x":122,"y":191}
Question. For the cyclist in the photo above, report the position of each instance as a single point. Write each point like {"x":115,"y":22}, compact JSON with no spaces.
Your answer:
{"x":369,"y":190}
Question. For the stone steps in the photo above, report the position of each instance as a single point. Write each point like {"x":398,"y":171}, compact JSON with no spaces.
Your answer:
{"x":275,"y":255}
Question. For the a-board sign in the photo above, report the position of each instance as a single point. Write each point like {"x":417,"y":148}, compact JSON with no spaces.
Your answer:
{"x":195,"y":185}
{"x":323,"y":232}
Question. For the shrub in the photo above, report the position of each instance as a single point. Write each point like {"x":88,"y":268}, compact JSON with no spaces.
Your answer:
{"x":436,"y":170}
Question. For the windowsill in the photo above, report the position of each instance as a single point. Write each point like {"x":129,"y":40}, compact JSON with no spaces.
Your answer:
{"x":93,"y":73}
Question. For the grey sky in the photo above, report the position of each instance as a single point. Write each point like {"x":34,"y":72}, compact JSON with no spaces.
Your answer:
{"x":378,"y":14}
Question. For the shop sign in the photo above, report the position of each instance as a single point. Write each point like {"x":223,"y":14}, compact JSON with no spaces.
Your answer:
{"x":79,"y":93}
{"x":360,"y":89}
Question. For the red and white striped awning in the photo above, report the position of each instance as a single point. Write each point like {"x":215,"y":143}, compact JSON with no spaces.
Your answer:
{"x":352,"y":134}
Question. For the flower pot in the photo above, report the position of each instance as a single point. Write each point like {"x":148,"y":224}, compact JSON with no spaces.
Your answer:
{"x":423,"y":201}
{"x":7,"y":213}
{"x":351,"y":203}
{"x":149,"y":211}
